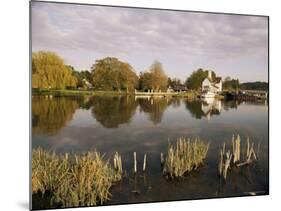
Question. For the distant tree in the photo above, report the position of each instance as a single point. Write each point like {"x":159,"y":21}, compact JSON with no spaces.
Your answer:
{"x":145,"y":81}
{"x":254,"y":86}
{"x":174,"y":82}
{"x":194,"y":81}
{"x":155,"y":78}
{"x":159,"y":78}
{"x":170,"y":83}
{"x":230,"y":84}
{"x":196,"y":78}
{"x":49,"y":71}
{"x":112,"y":74}
{"x":80,"y":76}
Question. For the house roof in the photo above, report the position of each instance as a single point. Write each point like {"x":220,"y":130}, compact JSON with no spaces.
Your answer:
{"x":217,"y":80}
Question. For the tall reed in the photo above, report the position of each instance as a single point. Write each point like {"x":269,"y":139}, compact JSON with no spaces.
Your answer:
{"x":79,"y":180}
{"x":235,"y":158}
{"x":185,"y":156}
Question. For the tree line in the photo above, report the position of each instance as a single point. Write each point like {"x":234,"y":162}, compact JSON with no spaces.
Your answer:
{"x":110,"y":74}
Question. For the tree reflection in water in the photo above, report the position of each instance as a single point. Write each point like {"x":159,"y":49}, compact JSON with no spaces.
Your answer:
{"x":111,"y":111}
{"x":154,"y":107}
{"x":49,"y":115}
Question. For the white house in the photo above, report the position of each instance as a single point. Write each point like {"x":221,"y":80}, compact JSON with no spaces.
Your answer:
{"x":87,"y":83}
{"x":210,"y":84}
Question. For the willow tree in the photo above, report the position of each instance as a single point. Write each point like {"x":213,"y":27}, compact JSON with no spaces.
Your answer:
{"x":49,"y":71}
{"x":112,"y":74}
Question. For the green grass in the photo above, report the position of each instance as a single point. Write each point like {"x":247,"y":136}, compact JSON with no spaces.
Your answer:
{"x":185,"y":156}
{"x":72,"y":181}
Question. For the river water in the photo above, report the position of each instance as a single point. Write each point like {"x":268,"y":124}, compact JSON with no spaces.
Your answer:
{"x":147,"y":125}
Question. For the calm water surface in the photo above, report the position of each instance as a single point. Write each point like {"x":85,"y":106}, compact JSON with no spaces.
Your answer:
{"x":128,"y":124}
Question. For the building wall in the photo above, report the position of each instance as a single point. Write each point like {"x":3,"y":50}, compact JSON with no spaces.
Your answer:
{"x":205,"y":83}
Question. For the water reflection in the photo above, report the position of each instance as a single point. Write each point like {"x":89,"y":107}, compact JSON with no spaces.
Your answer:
{"x":154,"y":107}
{"x":211,"y":107}
{"x":111,"y":111}
{"x":144,"y":125}
{"x":49,"y":115}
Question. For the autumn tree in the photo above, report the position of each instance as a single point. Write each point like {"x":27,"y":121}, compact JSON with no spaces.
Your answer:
{"x":49,"y":71}
{"x":112,"y":74}
{"x":155,"y":78}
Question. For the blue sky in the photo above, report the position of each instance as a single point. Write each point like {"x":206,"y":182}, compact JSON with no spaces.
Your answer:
{"x":231,"y":45}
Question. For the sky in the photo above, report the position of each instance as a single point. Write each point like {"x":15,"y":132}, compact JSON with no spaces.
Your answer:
{"x":230,"y":45}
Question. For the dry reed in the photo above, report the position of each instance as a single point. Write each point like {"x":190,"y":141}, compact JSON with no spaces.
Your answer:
{"x":82,"y":180}
{"x":234,"y":158}
{"x":186,"y":155}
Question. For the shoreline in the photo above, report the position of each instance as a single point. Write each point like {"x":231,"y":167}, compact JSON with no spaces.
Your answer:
{"x":68,"y":92}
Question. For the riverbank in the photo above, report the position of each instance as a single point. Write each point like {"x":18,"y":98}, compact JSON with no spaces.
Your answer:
{"x":69,"y":92}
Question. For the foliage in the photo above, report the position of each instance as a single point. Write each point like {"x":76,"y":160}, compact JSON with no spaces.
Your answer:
{"x":155,"y":78}
{"x":111,"y":74}
{"x":254,"y":86}
{"x":80,"y":76}
{"x":175,"y":82}
{"x":185,"y":156}
{"x":230,"y":84}
{"x":80,"y":180}
{"x":194,"y":81}
{"x":49,"y":71}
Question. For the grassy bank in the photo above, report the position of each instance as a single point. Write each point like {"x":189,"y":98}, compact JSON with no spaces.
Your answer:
{"x":72,"y":181}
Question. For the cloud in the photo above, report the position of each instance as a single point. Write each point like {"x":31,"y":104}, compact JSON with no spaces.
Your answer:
{"x":132,"y":33}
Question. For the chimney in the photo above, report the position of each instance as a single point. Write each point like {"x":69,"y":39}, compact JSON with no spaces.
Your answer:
{"x":210,"y":74}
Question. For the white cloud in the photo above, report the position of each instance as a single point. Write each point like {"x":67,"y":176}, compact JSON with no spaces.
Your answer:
{"x":129,"y":33}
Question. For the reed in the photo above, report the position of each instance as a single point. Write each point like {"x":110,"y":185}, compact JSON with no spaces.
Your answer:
{"x":234,"y":158}
{"x":144,"y":163}
{"x":117,"y":161}
{"x":162,"y":160}
{"x":78,"y":180}
{"x":135,"y":162}
{"x":185,"y":156}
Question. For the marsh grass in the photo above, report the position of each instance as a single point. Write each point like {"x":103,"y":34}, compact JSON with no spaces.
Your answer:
{"x":78,"y":180}
{"x":234,"y":158}
{"x":185,"y":156}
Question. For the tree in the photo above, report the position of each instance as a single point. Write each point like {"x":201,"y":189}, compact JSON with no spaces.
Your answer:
{"x":194,"y":81}
{"x":230,"y":84}
{"x":80,"y":76}
{"x":174,"y":82}
{"x":155,"y":78}
{"x":254,"y":85}
{"x":159,"y":80}
{"x":49,"y":71}
{"x":111,"y":74}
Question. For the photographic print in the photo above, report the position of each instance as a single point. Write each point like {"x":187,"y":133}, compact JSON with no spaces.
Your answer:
{"x":135,"y":105}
